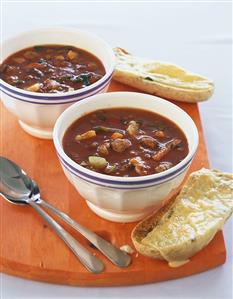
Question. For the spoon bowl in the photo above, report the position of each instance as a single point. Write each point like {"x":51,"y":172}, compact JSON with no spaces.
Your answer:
{"x":15,"y":185}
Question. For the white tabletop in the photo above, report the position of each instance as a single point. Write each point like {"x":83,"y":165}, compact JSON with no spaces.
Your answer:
{"x":196,"y":36}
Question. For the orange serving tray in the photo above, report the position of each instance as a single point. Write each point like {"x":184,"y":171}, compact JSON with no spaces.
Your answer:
{"x":30,"y":249}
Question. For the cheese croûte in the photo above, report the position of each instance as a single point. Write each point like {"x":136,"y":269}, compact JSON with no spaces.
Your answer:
{"x":159,"y":78}
{"x":198,"y":212}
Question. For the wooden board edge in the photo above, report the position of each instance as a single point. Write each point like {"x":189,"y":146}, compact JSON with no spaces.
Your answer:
{"x":124,"y":279}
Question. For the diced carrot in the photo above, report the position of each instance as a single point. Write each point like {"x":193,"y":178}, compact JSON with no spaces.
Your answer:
{"x":72,"y":55}
{"x":116,"y":135}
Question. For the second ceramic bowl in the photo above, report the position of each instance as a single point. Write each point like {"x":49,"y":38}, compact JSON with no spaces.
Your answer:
{"x":37,"y":112}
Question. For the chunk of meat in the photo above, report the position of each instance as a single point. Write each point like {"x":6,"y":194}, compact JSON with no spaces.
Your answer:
{"x":139,"y":166}
{"x":163,"y":166}
{"x":51,"y":84}
{"x":86,"y":135}
{"x":102,"y":149}
{"x":159,"y":134}
{"x":120,"y":145}
{"x":148,"y":141}
{"x":54,"y":86}
{"x":166,"y":149}
{"x":133,"y":128}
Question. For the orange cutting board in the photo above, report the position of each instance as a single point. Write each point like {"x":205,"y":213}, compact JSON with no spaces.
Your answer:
{"x":30,"y":249}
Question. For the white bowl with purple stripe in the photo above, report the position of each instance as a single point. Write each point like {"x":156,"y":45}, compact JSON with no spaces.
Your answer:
{"x":125,"y":199}
{"x":37,"y":112}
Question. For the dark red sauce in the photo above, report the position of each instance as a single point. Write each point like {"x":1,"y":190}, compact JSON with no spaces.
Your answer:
{"x":129,"y":142}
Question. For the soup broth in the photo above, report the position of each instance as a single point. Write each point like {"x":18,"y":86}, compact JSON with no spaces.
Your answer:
{"x":125,"y":142}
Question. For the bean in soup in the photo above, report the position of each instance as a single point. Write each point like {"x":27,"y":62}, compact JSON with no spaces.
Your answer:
{"x":51,"y":69}
{"x":125,"y":142}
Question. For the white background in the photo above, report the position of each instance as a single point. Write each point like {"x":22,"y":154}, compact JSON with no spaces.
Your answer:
{"x":194,"y":35}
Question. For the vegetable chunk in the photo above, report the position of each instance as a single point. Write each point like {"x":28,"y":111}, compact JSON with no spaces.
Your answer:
{"x":97,"y":162}
{"x":133,"y":128}
{"x":86,"y":135}
{"x":120,"y":145}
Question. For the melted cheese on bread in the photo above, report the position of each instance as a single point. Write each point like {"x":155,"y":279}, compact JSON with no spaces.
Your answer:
{"x":199,"y":211}
{"x":160,"y":72}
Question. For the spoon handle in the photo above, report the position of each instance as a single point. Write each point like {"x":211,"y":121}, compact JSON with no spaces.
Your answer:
{"x":92,"y":263}
{"x":117,"y":256}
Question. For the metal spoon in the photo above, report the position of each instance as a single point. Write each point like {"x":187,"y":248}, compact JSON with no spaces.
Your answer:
{"x":16,"y":187}
{"x":117,"y":256}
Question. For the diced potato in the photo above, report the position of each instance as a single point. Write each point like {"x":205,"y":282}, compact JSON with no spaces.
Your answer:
{"x":97,"y":162}
{"x":35,"y":87}
{"x":117,"y":135}
{"x":72,"y":54}
{"x":86,"y":135}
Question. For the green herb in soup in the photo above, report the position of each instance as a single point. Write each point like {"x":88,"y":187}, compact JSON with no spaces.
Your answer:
{"x":125,"y":142}
{"x":51,"y":69}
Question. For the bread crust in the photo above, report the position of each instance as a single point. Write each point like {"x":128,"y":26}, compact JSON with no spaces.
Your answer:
{"x":147,"y":225}
{"x":159,"y":89}
{"x":183,"y":250}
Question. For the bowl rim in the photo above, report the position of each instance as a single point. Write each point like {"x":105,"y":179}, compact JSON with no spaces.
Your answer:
{"x":118,"y":179}
{"x":36,"y":95}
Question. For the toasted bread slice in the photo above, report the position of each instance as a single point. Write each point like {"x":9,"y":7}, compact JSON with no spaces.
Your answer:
{"x":189,"y":221}
{"x":162,"y":79}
